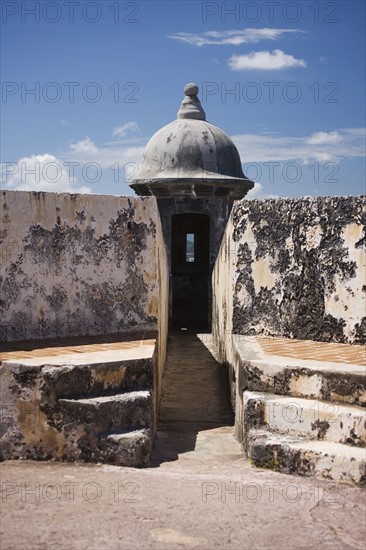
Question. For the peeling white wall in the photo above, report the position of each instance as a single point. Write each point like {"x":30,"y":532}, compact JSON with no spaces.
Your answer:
{"x":78,"y":264}
{"x":300,"y":269}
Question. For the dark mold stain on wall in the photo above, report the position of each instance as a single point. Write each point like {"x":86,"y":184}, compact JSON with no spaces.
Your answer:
{"x":305,"y":275}
{"x":71,"y":280}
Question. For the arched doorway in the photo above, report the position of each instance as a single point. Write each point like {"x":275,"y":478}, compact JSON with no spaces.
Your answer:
{"x":190,"y":255}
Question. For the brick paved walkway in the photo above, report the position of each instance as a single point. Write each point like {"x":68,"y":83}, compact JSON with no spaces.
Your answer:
{"x":284,"y":347}
{"x":89,"y":344}
{"x":317,"y":351}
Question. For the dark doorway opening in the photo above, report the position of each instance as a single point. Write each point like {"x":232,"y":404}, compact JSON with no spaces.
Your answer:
{"x":190,"y":271}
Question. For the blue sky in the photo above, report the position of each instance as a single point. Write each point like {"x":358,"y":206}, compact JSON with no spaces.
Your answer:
{"x":286,"y":80}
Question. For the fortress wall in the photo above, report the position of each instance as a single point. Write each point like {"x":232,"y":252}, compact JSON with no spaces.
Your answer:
{"x":296,"y":268}
{"x":76,"y":265}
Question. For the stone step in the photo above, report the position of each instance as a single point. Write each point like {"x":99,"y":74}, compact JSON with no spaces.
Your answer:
{"x":321,"y":459}
{"x":60,"y":415}
{"x":130,"y":449}
{"x":107,"y":413}
{"x":309,"y":379}
{"x":89,"y":379}
{"x":305,"y":417}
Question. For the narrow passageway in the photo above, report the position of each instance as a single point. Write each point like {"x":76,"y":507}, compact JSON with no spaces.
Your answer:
{"x":195,"y":414}
{"x":193,"y":383}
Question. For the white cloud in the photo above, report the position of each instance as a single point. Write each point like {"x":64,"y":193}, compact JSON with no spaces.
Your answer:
{"x":231,"y":37}
{"x":109,"y":154}
{"x":122,"y":131}
{"x":84,"y":146}
{"x":258,"y":193}
{"x":264,"y":61}
{"x":319,"y":147}
{"x":47,"y":172}
{"x":83,"y":161}
{"x":40,"y":173}
{"x":324,"y":138}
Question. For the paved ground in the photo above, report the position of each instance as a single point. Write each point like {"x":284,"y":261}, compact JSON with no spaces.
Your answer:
{"x":199,"y":492}
{"x":210,"y":497}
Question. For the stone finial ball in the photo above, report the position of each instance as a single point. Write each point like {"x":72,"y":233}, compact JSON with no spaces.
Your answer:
{"x":191,"y":89}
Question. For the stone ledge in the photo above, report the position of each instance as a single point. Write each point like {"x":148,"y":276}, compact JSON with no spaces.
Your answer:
{"x":290,"y":455}
{"x":35,"y":391}
{"x":316,"y":420}
{"x":297,"y":377}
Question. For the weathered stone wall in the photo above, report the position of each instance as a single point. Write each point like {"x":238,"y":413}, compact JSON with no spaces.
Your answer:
{"x":218,"y":208}
{"x":296,"y":268}
{"x":75,"y":265}
{"x":163,"y":312}
{"x":108,"y":391}
{"x":292,"y":268}
{"x":79,"y":265}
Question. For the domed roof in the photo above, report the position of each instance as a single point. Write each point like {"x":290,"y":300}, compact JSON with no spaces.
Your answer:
{"x":190,"y":156}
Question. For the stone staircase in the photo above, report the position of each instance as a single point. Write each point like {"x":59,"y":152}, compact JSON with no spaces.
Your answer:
{"x":93,"y":407}
{"x":303,"y":417}
{"x":113,"y":429}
